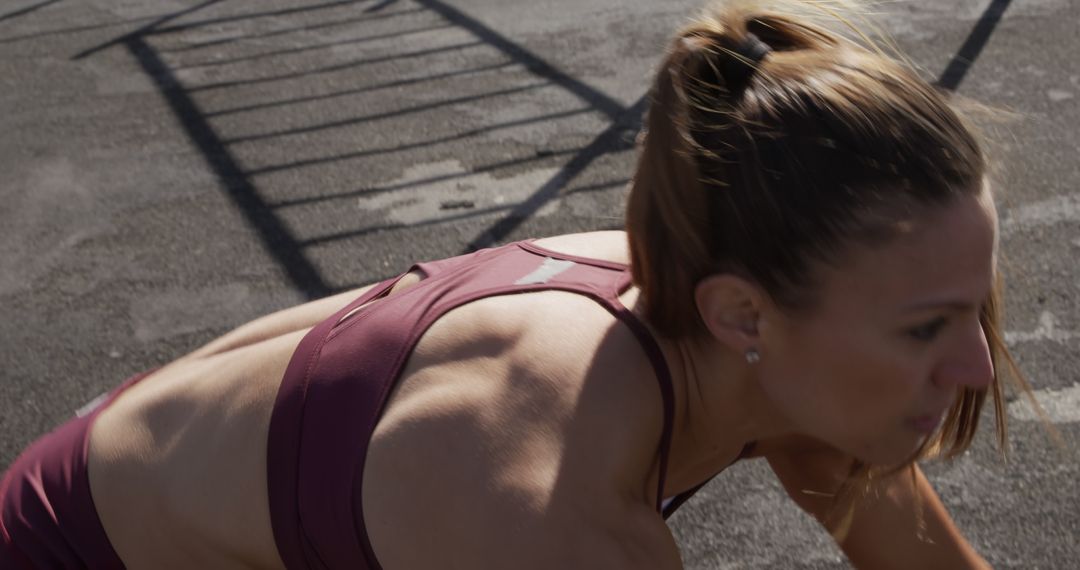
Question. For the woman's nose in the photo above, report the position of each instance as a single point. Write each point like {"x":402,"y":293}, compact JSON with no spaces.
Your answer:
{"x":969,"y":364}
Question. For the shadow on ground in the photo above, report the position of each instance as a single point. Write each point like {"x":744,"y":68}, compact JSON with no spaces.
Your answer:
{"x":213,"y":64}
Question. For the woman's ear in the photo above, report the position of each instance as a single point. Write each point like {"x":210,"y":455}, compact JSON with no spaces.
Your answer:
{"x":731,"y":308}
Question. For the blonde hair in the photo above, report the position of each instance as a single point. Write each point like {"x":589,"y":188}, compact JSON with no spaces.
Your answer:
{"x":769,"y":167}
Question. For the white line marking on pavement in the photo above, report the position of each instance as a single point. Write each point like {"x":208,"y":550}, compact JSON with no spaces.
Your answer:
{"x":1047,"y":330}
{"x":1061,"y":406}
{"x":1043,"y":213}
{"x":1059,"y":95}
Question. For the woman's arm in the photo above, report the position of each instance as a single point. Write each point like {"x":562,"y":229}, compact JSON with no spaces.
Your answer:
{"x":290,"y":320}
{"x":884,"y":531}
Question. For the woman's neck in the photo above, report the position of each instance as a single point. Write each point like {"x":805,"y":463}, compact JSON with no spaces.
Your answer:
{"x":719,"y":407}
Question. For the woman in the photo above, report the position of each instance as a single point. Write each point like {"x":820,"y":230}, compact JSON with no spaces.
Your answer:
{"x":807,"y":275}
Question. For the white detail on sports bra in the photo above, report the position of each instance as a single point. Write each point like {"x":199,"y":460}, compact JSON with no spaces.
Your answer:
{"x":92,"y":405}
{"x":547,"y":270}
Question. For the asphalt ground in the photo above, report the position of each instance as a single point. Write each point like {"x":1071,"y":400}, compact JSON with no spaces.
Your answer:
{"x":170,"y":169}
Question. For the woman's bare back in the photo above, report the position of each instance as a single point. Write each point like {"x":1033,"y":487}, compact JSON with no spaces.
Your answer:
{"x":178,"y":463}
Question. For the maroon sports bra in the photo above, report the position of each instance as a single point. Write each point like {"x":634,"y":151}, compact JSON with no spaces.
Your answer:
{"x":342,"y":372}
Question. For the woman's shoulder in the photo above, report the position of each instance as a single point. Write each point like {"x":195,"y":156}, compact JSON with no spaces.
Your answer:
{"x":547,"y":344}
{"x":604,"y":245}
{"x":547,"y":398}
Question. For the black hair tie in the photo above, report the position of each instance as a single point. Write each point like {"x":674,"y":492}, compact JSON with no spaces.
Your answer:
{"x":744,"y":60}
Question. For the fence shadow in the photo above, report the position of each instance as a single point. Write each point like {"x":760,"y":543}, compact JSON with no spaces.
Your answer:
{"x":27,"y":10}
{"x":972,"y":47}
{"x":314,"y":74}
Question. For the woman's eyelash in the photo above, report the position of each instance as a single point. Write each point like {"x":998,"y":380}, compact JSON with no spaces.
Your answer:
{"x":927,"y":331}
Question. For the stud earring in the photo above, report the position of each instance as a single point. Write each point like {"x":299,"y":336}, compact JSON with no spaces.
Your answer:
{"x":753,"y":356}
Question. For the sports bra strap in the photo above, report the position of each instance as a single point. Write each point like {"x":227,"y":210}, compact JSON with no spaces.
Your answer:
{"x":663,"y":376}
